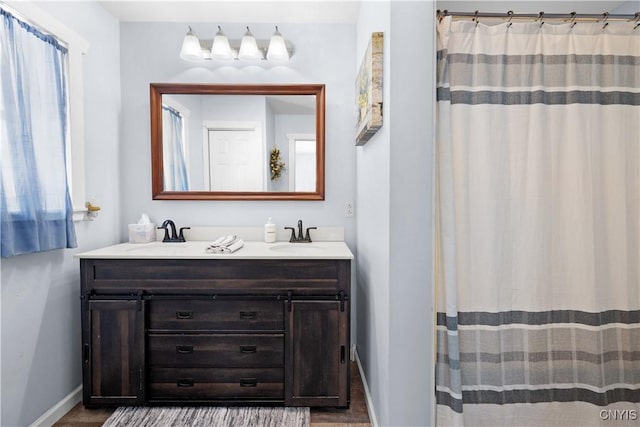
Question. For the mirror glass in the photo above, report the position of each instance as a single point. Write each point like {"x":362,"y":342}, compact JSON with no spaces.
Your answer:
{"x":237,"y":142}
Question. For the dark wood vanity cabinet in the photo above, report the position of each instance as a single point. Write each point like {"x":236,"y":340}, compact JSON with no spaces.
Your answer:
{"x":113,"y":351}
{"x":241,"y":332}
{"x":317,"y":370}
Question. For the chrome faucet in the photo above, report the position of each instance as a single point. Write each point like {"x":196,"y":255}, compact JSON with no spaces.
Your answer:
{"x":299,"y":238}
{"x":170,"y":234}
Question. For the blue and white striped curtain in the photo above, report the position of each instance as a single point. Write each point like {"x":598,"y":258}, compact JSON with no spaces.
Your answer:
{"x":538,"y":224}
{"x":36,"y":211}
{"x":173,"y":158}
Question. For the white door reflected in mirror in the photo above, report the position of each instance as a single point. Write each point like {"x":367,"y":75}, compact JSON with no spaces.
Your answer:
{"x":233,"y":157}
{"x":302,"y":161}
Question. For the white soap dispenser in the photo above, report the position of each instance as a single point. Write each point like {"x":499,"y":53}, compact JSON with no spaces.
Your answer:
{"x":269,"y":232}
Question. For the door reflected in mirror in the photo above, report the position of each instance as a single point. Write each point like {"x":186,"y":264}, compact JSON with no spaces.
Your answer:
{"x":215,"y":141}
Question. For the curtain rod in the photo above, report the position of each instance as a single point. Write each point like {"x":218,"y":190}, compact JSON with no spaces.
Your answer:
{"x":542,"y":16}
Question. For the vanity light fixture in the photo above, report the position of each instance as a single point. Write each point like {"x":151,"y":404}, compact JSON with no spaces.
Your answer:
{"x":248,"y":49}
{"x":221,"y":49}
{"x":277,"y":48}
{"x":191,"y":50}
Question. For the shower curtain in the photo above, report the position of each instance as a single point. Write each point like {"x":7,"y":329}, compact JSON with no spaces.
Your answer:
{"x":173,"y":158}
{"x":538,"y":224}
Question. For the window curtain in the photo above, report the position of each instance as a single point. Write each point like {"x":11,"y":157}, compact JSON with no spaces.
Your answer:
{"x":36,"y":210}
{"x":174,"y":165}
{"x":538,"y":224}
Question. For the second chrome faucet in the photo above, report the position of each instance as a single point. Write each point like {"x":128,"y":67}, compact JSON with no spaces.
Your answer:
{"x":300,"y":238}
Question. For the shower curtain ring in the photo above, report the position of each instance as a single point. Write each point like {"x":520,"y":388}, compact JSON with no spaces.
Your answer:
{"x":510,"y":14}
{"x":541,"y":18}
{"x":572,"y":19}
{"x":605,"y":17}
{"x":476,"y":18}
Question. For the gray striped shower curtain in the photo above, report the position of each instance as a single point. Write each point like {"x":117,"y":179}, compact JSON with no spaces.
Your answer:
{"x":538,"y":224}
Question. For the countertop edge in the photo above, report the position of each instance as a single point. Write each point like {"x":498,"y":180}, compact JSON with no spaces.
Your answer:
{"x":253,"y":250}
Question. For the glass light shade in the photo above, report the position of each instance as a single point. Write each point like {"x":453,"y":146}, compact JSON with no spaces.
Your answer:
{"x":221,"y":48}
{"x":191,"y":50}
{"x":249,"y":47}
{"x":277,"y":48}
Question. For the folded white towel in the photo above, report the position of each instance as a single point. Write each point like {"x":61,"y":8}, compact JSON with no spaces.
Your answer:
{"x":225,"y":240}
{"x":225,"y":245}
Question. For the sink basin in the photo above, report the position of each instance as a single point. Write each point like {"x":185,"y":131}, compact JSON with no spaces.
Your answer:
{"x":157,"y":248}
{"x":298,"y":248}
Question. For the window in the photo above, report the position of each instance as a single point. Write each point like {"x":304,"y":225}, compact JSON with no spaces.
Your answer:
{"x":35,"y":201}
{"x":77,"y":47}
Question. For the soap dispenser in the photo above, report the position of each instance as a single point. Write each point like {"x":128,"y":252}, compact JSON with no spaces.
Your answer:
{"x":269,"y":232}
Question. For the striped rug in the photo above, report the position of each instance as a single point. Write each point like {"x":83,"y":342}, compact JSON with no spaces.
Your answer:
{"x":208,"y":416}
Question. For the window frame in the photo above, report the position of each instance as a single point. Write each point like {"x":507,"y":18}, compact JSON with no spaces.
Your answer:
{"x":77,"y":47}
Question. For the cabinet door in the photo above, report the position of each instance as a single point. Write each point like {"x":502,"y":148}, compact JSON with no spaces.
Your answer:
{"x":317,"y":343}
{"x":113,"y":352}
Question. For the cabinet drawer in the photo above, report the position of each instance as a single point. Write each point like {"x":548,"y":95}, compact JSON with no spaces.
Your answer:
{"x":253,"y":351}
{"x":216,"y":383}
{"x":199,"y":315}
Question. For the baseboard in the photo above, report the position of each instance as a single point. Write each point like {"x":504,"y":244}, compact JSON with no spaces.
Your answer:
{"x":58,"y":411}
{"x":367,"y":394}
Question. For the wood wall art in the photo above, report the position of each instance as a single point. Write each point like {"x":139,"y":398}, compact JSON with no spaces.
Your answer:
{"x":369,"y":91}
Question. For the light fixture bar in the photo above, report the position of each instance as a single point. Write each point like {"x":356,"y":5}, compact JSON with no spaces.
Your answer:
{"x":220,"y":48}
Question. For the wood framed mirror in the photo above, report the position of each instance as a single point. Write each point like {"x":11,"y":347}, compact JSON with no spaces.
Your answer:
{"x":237,"y":142}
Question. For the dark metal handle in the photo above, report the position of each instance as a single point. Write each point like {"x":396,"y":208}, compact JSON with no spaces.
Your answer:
{"x":343,"y":351}
{"x":248,"y":349}
{"x":184,"y":314}
{"x":166,"y":233}
{"x":248,"y":382}
{"x":184,"y":382}
{"x":248,"y":315}
{"x":181,"y":235}
{"x":307,"y":236}
{"x":184,"y":349}
{"x":86,"y":353}
{"x":293,"y":233}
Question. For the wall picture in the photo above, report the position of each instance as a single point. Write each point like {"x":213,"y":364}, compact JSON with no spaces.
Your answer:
{"x":369,"y":91}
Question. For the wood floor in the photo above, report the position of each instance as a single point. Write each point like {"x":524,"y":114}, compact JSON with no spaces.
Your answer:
{"x":355,"y":416}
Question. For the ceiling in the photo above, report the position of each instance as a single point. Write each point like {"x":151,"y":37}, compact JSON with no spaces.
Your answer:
{"x":315,"y":11}
{"x":242,"y":11}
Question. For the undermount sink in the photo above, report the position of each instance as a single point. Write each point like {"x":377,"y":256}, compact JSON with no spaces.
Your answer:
{"x":306,"y":248}
{"x":157,"y":247}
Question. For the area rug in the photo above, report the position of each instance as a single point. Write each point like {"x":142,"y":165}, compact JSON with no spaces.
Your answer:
{"x":208,"y":417}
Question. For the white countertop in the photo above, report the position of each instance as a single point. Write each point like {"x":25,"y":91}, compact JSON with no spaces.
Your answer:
{"x":196,"y":250}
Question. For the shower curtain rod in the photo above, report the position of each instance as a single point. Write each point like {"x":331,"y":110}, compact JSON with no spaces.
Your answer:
{"x":573,"y":16}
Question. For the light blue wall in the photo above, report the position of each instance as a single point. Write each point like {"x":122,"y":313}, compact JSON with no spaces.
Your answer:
{"x":411,"y":293}
{"x":373,"y":219}
{"x":323,"y":54}
{"x":394,"y":286}
{"x":40,"y":293}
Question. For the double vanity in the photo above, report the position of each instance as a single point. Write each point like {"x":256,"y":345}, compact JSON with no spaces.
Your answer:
{"x":169,"y":323}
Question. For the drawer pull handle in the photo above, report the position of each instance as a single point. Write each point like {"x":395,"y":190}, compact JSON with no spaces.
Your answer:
{"x":184,"y":349}
{"x":186,"y":314}
{"x":248,"y":349}
{"x":185,"y":382}
{"x":248,"y":382}
{"x":248,"y":315}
